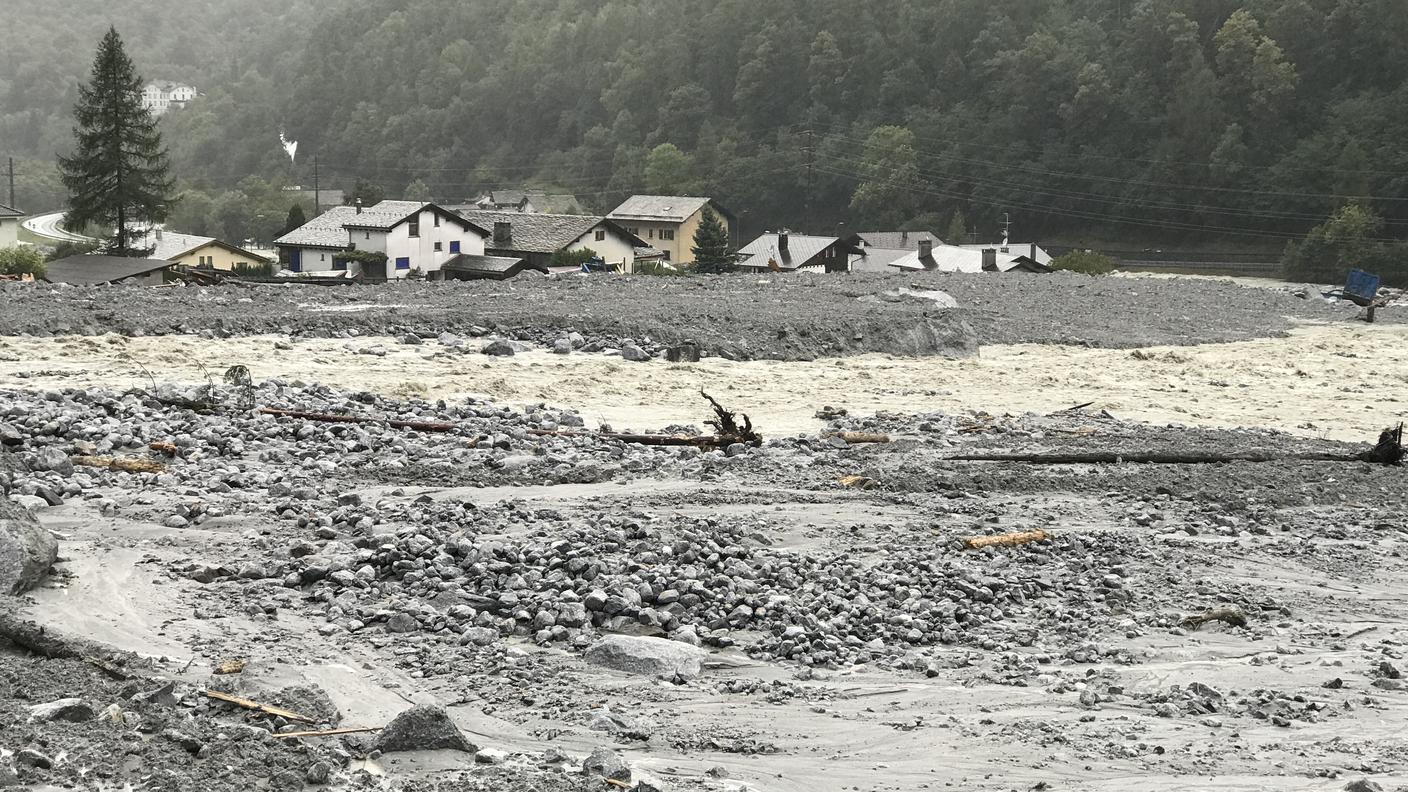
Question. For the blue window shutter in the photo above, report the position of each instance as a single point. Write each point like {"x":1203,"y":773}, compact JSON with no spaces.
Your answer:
{"x":455,"y":246}
{"x":403,"y":263}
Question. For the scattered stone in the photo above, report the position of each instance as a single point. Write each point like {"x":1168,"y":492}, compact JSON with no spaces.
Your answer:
{"x":27,"y":550}
{"x":657,"y":657}
{"x":499,"y":348}
{"x":634,"y":354}
{"x":684,"y":353}
{"x":1363,"y":785}
{"x":30,"y":757}
{"x":424,"y":727}
{"x":607,"y":764}
{"x":75,"y":710}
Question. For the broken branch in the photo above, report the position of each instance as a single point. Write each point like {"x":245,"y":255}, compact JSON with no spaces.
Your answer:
{"x":1230,"y":616}
{"x":257,"y":707}
{"x":121,"y":464}
{"x":1005,"y":540}
{"x":328,"y":732}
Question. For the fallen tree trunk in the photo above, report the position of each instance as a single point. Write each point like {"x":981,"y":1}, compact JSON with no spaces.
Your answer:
{"x":419,"y":426}
{"x":702,"y":441}
{"x":1152,"y":457}
{"x":1005,"y":540}
{"x":41,"y":641}
{"x":121,"y":464}
{"x":857,"y":438}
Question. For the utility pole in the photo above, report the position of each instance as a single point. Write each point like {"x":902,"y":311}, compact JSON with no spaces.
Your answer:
{"x":12,"y":183}
{"x":809,"y":150}
{"x":317,"y":196}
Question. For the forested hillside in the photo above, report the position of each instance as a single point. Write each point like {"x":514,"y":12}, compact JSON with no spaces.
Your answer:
{"x":1161,"y":120}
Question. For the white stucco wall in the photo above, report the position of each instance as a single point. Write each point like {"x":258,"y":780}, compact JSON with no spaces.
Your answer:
{"x":614,"y":249}
{"x":421,"y":250}
{"x":9,"y":231}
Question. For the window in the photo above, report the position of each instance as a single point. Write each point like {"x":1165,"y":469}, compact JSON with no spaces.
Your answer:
{"x":437,"y":220}
{"x":403,"y":263}
{"x":369,"y":235}
{"x":439,"y":246}
{"x":339,"y":264}
{"x":666,"y":233}
{"x":415,"y":227}
{"x":455,"y":246}
{"x":667,"y":254}
{"x":601,"y":235}
{"x":322,"y":257}
{"x":650,"y":233}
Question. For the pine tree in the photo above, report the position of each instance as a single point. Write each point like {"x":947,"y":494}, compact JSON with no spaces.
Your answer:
{"x":711,"y":254}
{"x":957,"y":229}
{"x":296,"y":218}
{"x":118,"y":174}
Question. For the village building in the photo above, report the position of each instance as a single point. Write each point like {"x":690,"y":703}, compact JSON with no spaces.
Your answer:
{"x":1028,"y":250}
{"x":163,"y":95}
{"x":789,"y":252}
{"x":955,"y":258}
{"x":528,"y":201}
{"x":539,"y":238}
{"x":668,"y":222}
{"x":198,"y":252}
{"x":90,"y":270}
{"x":9,"y":226}
{"x":417,"y":238}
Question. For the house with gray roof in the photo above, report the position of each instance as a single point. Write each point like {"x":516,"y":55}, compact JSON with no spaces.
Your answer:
{"x":9,"y":226}
{"x":668,"y":222}
{"x":537,"y":238}
{"x":416,"y":238}
{"x":897,"y":240}
{"x":956,"y":258}
{"x":789,"y":252}
{"x":90,"y":270}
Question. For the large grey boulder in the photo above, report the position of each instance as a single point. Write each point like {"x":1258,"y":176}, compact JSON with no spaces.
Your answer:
{"x":423,"y":728}
{"x":27,"y":550}
{"x":658,"y":657}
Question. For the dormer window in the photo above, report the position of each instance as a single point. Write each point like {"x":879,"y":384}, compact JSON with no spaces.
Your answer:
{"x":414,"y":229}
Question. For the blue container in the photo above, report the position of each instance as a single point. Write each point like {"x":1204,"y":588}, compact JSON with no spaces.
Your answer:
{"x":1361,"y":287}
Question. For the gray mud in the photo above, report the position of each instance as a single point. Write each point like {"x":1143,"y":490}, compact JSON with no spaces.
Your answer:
{"x":741,"y":317}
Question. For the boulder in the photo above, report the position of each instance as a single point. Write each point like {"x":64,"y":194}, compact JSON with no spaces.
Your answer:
{"x":607,"y":764}
{"x":27,"y":550}
{"x":634,"y":353}
{"x":684,"y":353}
{"x":657,"y":657}
{"x":423,"y":728}
{"x":499,"y":349}
{"x":69,"y":709}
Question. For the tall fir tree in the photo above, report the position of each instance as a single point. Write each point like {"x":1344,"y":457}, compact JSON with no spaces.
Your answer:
{"x":296,"y":218}
{"x":118,"y":175}
{"x":711,"y":253}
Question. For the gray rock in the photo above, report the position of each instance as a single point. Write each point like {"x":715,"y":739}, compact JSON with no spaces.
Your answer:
{"x":1363,"y":785}
{"x":490,"y":756}
{"x":423,"y":728}
{"x":412,"y":339}
{"x":655,"y":657}
{"x":562,"y":346}
{"x":499,"y":348}
{"x":684,"y":353}
{"x":310,"y":701}
{"x":53,"y":459}
{"x":634,"y":353}
{"x":33,"y":758}
{"x":27,"y":549}
{"x":576,"y":340}
{"x":69,"y":709}
{"x":402,"y":623}
{"x":607,"y":764}
{"x":164,"y":696}
{"x":318,"y":773}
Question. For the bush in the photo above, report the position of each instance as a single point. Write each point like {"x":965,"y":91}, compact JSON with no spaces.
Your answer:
{"x":572,"y":258}
{"x":21,"y":261}
{"x":265,"y":270}
{"x":1086,"y":262}
{"x":65,"y":249}
{"x":660,"y":268}
{"x":1348,"y":240}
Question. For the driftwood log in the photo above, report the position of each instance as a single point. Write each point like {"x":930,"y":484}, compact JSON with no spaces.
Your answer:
{"x":1005,"y":540}
{"x":419,"y":426}
{"x":42,"y":641}
{"x":1228,"y":616}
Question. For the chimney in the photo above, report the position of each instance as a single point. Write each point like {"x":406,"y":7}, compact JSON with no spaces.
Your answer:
{"x":503,"y":233}
{"x":989,"y":260}
{"x":926,"y":248}
{"x":359,"y":206}
{"x":782,"y":241}
{"x":158,"y":233}
{"x":904,"y":239}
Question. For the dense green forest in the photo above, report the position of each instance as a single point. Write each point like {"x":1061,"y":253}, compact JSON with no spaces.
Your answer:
{"x":1241,"y":122}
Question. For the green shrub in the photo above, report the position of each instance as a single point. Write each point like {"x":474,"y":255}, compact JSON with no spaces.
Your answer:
{"x":265,"y":270}
{"x":21,"y":261}
{"x":1086,"y":262}
{"x":661,"y":268}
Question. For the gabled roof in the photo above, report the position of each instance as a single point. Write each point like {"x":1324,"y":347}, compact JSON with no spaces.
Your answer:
{"x":877,"y":259}
{"x":330,"y":229}
{"x":897,"y":240}
{"x":10,"y":211}
{"x":488,"y":267}
{"x":1028,"y":249}
{"x":953,"y":258}
{"x":171,"y":245}
{"x":87,"y":270}
{"x":541,"y":233}
{"x":663,"y":208}
{"x":801,"y":250}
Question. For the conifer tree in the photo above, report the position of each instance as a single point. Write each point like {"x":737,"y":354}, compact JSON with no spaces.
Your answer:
{"x":296,"y":218}
{"x":118,"y":174}
{"x":711,"y":253}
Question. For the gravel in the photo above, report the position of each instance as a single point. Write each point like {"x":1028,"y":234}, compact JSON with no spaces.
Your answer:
{"x":787,"y":318}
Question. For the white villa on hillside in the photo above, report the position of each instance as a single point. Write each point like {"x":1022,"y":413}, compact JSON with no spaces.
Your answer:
{"x":162,"y":95}
{"x":416,"y":237}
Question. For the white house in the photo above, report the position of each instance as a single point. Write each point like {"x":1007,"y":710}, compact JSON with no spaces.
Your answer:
{"x":416,"y":238}
{"x":163,"y":95}
{"x":9,"y":226}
